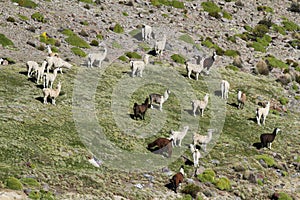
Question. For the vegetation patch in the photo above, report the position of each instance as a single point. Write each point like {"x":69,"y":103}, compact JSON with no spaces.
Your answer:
{"x":118,"y":29}
{"x":173,"y":3}
{"x":283,"y":100}
{"x":231,"y":53}
{"x":209,"y":44}
{"x":78,"y":52}
{"x":13,"y":183}
{"x":232,"y":67}
{"x":267,"y":159}
{"x":290,"y":26}
{"x":25,"y":3}
{"x":31,"y":182}
{"x":214,"y":10}
{"x":47,"y":40}
{"x":133,"y":55}
{"x":284,"y":196}
{"x":187,"y":38}
{"x":4,"y":41}
{"x":223,"y":183}
{"x":207,"y":176}
{"x":123,"y":58}
{"x":276,"y":63}
{"x":178,"y":58}
{"x":38,"y":17}
{"x":191,"y":189}
{"x":265,"y":9}
{"x":74,"y":39}
{"x":23,"y":17}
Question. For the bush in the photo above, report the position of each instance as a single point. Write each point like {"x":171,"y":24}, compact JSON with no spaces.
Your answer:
{"x":266,"y":21}
{"x":223,"y":183}
{"x":77,"y":41}
{"x":265,"y":9}
{"x":78,"y":52}
{"x":290,"y":26}
{"x":284,"y":196}
{"x":133,"y":55}
{"x":178,"y":58}
{"x":191,"y":189}
{"x":38,"y":17}
{"x":210,"y":7}
{"x":207,"y":176}
{"x":231,"y":53}
{"x":283,"y":100}
{"x":232,"y":67}
{"x":268,"y":160}
{"x":260,"y":30}
{"x":22,"y":17}
{"x":226,"y":15}
{"x":4,"y":41}
{"x":30,"y":182}
{"x":276,"y":63}
{"x":34,"y":195}
{"x":14,"y":184}
{"x":25,"y":3}
{"x":262,"y":68}
{"x":94,"y":43}
{"x":118,"y":29}
{"x":279,"y":29}
{"x":123,"y":58}
{"x":11,"y":19}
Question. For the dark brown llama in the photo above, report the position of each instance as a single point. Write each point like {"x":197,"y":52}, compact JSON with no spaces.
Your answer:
{"x":177,"y":179}
{"x":140,"y":110}
{"x":164,"y":145}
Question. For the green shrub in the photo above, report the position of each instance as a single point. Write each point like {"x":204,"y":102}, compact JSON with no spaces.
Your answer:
{"x":14,"y":184}
{"x":118,"y":29}
{"x":294,"y":43}
{"x":290,"y":26}
{"x":123,"y":58}
{"x":223,"y":183}
{"x":178,"y":58}
{"x":94,"y":43}
{"x":284,"y":196}
{"x":207,"y":176}
{"x":232,"y":38}
{"x":22,"y":17}
{"x":133,"y":55}
{"x":87,"y":1}
{"x":283,"y":100}
{"x":268,"y":160}
{"x":295,"y":87}
{"x":174,"y":3}
{"x":68,"y":32}
{"x":258,"y":47}
{"x":260,"y":30}
{"x":4,"y":41}
{"x":185,"y":197}
{"x":262,"y":68}
{"x":232,"y":67}
{"x":38,"y":17}
{"x":99,"y":36}
{"x":276,"y":63}
{"x":226,"y":15}
{"x":297,"y":97}
{"x":266,"y":21}
{"x":248,"y":28}
{"x":125,"y":14}
{"x":178,"y":4}
{"x":265,"y":9}
{"x":208,"y":43}
{"x":191,"y":189}
{"x":78,"y":52}
{"x":231,"y":53}
{"x":279,"y":29}
{"x":45,"y":39}
{"x":85,"y":23}
{"x":144,"y":46}
{"x":30,"y":182}
{"x":76,"y":41}
{"x":186,"y":38}
{"x":34,"y":195}
{"x":25,"y":3}
{"x":260,"y":182}
{"x":210,"y":7}
{"x":11,"y":19}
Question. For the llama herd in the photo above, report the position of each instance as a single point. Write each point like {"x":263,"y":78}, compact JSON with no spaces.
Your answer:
{"x":52,"y":62}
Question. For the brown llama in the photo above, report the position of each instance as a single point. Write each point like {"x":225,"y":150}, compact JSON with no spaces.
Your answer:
{"x":164,"y":145}
{"x":140,"y":110}
{"x":241,"y":97}
{"x":177,"y":179}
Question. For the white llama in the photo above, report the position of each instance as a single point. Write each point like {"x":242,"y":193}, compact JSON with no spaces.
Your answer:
{"x":52,"y":93}
{"x":57,"y":63}
{"x":197,"y":69}
{"x":92,"y":57}
{"x":50,"y":78}
{"x":32,"y":66}
{"x":160,"y":45}
{"x":178,"y":136}
{"x":262,"y":113}
{"x":159,"y":99}
{"x":196,"y":154}
{"x":49,"y":50}
{"x":39,"y":72}
{"x":202,"y":139}
{"x":138,"y":66}
{"x":225,"y":89}
{"x":200,"y":104}
{"x":146,"y":32}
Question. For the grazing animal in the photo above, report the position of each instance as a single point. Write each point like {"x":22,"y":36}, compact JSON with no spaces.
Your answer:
{"x":200,"y":104}
{"x":39,"y":72}
{"x":50,"y":78}
{"x":97,"y":56}
{"x":164,"y":146}
{"x":57,"y":63}
{"x":262,"y":113}
{"x":202,"y":139}
{"x":50,"y":53}
{"x":140,"y":110}
{"x":196,"y":154}
{"x":208,"y":62}
{"x":266,"y":139}
{"x":178,"y":136}
{"x":225,"y":89}
{"x":160,"y":45}
{"x":159,"y":99}
{"x":241,"y":97}
{"x":146,"y":32}
{"x":52,"y":93}
{"x":177,"y":179}
{"x":138,"y":66}
{"x":190,"y":67}
{"x":32,"y":66}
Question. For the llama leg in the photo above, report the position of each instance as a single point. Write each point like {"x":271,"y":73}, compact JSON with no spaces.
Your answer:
{"x":160,"y":106}
{"x":45,"y":99}
{"x":201,"y":112}
{"x":189,"y":74}
{"x":53,"y":101}
{"x":270,"y":145}
{"x":258,"y":119}
{"x":197,"y":75}
{"x":264,"y":118}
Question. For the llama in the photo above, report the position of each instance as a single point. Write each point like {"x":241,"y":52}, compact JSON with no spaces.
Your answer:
{"x":177,"y":179}
{"x":57,"y":63}
{"x":97,"y":56}
{"x":32,"y":66}
{"x":164,"y":146}
{"x":146,"y":32}
{"x":262,"y":113}
{"x":225,"y":89}
{"x":159,"y":99}
{"x":178,"y":136}
{"x":196,"y":154}
{"x":50,"y":78}
{"x":50,"y":53}
{"x":266,"y":139}
{"x":200,"y":104}
{"x":138,"y":66}
{"x":39,"y":72}
{"x":208,"y":62}
{"x":202,"y":139}
{"x":52,"y":93}
{"x":241,"y":97}
{"x":160,"y":45}
{"x":190,"y":67}
{"x":140,"y":110}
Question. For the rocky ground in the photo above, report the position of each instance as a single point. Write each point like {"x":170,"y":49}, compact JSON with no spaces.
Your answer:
{"x":102,"y":17}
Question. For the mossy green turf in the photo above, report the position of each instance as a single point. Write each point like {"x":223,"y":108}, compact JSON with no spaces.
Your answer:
{"x":46,"y":136}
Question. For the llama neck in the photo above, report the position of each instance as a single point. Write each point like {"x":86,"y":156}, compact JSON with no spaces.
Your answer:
{"x":166,"y":95}
{"x":209,"y":136}
{"x":239,"y":95}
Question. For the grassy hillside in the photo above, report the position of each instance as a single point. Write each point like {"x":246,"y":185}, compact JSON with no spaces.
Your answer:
{"x":44,"y":142}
